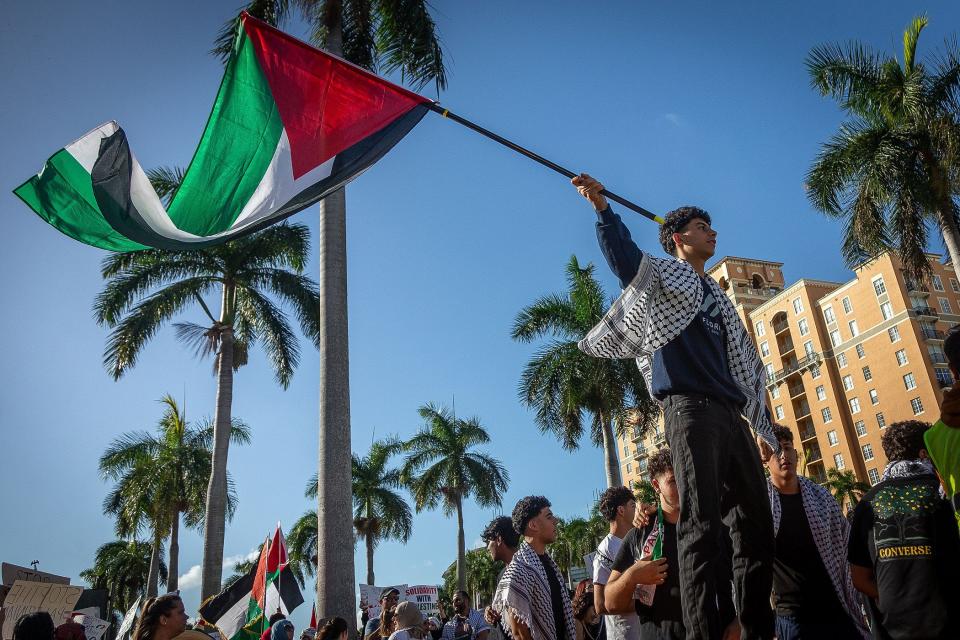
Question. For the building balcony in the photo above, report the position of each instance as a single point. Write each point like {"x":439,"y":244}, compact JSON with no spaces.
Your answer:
{"x":780,"y":327}
{"x":944,"y":384}
{"x":925,"y":312}
{"x":938,"y":357}
{"x":640,"y":453}
{"x":817,"y":474}
{"x":932,"y":335}
{"x":808,"y":434}
{"x":813,"y":454}
{"x":795,"y":390}
{"x":915,"y":289}
{"x":659,"y":438}
{"x":809,"y":360}
{"x":760,"y":293}
{"x":785,"y":347}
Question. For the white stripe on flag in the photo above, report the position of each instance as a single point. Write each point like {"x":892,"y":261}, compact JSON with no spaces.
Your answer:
{"x":234,"y":618}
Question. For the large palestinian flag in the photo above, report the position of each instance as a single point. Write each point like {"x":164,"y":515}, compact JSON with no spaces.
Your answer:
{"x":290,"y":125}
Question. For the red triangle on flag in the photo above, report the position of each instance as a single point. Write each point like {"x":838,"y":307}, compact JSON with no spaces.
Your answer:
{"x":326,"y":104}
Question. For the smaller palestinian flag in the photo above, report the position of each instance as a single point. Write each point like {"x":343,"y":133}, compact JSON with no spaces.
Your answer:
{"x":238,"y":611}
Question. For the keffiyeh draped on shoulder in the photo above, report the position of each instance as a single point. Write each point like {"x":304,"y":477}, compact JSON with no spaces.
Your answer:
{"x":525,"y":593}
{"x":830,"y":531}
{"x":660,"y":302}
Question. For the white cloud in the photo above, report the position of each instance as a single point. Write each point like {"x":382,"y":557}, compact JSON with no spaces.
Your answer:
{"x":194,"y":575}
{"x":674,"y":119}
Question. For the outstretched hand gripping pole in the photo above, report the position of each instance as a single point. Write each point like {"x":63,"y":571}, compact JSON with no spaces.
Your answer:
{"x":533,"y":156}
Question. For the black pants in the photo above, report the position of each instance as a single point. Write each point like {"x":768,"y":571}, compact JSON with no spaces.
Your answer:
{"x":720,"y":479}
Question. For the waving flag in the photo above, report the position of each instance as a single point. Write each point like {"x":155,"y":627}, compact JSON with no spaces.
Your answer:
{"x":290,"y":125}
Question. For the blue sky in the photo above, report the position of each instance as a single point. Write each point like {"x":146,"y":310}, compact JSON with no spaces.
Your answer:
{"x":449,"y":235}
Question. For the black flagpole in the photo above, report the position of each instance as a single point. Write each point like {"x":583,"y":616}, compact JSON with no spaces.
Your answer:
{"x":446,"y":113}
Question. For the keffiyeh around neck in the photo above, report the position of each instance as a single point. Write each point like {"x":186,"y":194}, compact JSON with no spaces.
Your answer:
{"x":908,"y":468}
{"x":525,"y":592}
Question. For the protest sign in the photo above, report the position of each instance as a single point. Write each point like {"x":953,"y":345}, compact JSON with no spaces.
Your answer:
{"x":12,"y":572}
{"x":27,"y":596}
{"x":426,"y":597}
{"x":370,"y":597}
{"x":93,"y":627}
{"x":128,"y":621}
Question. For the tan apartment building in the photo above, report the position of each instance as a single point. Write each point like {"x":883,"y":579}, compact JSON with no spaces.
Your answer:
{"x":842,"y":360}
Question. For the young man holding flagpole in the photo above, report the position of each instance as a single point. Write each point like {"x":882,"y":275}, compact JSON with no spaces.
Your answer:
{"x":703,"y":368}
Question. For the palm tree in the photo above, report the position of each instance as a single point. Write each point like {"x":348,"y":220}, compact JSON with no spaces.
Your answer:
{"x":159,"y":477}
{"x":846,"y":489}
{"x":442,"y":469}
{"x":562,"y":383}
{"x":574,"y":538}
{"x":892,"y":167}
{"x":122,"y":568}
{"x":146,"y":289}
{"x":380,"y":513}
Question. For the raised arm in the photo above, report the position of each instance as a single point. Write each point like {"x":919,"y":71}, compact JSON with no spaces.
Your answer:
{"x":621,"y":252}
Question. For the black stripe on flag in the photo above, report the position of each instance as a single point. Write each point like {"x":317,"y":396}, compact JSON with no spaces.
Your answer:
{"x":217,"y":606}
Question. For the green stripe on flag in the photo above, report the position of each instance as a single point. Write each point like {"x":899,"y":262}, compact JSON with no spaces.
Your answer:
{"x":62,"y":194}
{"x":240,"y":139}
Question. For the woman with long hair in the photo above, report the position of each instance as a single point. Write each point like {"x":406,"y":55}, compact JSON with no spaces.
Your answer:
{"x":333,"y":629}
{"x":162,"y":618}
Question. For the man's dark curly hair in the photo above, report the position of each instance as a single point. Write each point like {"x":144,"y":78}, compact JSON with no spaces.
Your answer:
{"x":582,"y":604}
{"x":501,"y":528}
{"x":904,"y":440}
{"x":659,"y":463}
{"x":675,"y":221}
{"x":781,"y":432}
{"x":951,"y":346}
{"x":526,"y":510}
{"x":612,"y":499}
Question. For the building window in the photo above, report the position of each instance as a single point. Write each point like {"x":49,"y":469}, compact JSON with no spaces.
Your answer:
{"x":838,"y":460}
{"x":954,"y":285}
{"x":821,"y":392}
{"x":764,"y":349}
{"x":937,"y":354}
{"x":825,"y":413}
{"x":894,"y":334}
{"x":874,"y":398}
{"x":828,"y":315}
{"x":775,"y":392}
{"x":854,"y":405}
{"x":874,"y":476}
{"x":841,"y":360}
{"x":917,"y":406}
{"x":779,"y":412}
{"x":769,"y":368}
{"x":881,"y":421}
{"x":861,"y":428}
{"x":887,"y":310}
{"x":759,"y":327}
{"x":835,"y":337}
{"x":937,"y":283}
{"x":878,"y":286}
{"x":804,"y":329}
{"x":861,"y":352}
{"x":867,"y":375}
{"x":626,"y":450}
{"x":867,"y":451}
{"x":909,"y":382}
{"x":901,"y":357}
{"x":944,"y":305}
{"x":797,"y":305}
{"x":808,"y":347}
{"x":815,"y":372}
{"x":832,"y":438}
{"x":642,"y":466}
{"x":944,"y":377}
{"x":848,"y":383}
{"x":629,"y":470}
{"x":847,"y":307}
{"x":854,"y":331}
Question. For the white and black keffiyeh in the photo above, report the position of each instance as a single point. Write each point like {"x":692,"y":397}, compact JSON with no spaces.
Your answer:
{"x":831,"y":532}
{"x":525,"y":592}
{"x":660,"y":302}
{"x":908,"y":468}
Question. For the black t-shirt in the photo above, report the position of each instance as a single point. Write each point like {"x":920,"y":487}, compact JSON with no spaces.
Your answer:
{"x":801,"y":585}
{"x":908,"y":535}
{"x":666,"y":599}
{"x":556,"y":597}
{"x":696,"y":360}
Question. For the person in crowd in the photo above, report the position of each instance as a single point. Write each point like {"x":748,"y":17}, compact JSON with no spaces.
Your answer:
{"x":530,"y":595}
{"x":942,"y":440}
{"x":388,"y":602}
{"x":274,"y":618}
{"x":282,"y":630}
{"x":644,"y":577}
{"x":308,"y":634}
{"x":334,"y":629}
{"x":617,"y":506}
{"x":435,"y":627}
{"x":587,"y":622}
{"x":701,"y":365}
{"x":467,"y":623}
{"x":813,"y":592}
{"x":502,"y":542}
{"x":34,"y":626}
{"x":161,"y":618}
{"x":70,"y":631}
{"x":904,"y":545}
{"x":408,"y":621}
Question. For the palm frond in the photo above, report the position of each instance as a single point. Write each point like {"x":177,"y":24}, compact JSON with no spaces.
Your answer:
{"x":165,"y":181}
{"x":407,"y":41}
{"x":910,"y":37}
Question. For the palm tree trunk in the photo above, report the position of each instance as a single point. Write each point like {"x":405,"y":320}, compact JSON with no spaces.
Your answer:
{"x":153,"y":574}
{"x":610,"y":461}
{"x":370,"y":577}
{"x":216,"y":508}
{"x":461,"y":548}
{"x":336,"y":591}
{"x":946,"y":211}
{"x":173,"y":565}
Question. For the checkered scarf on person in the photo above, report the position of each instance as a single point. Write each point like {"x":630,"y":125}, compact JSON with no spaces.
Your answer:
{"x":830,"y":531}
{"x":660,"y":302}
{"x":525,"y":592}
